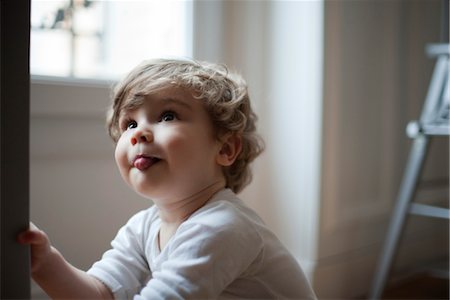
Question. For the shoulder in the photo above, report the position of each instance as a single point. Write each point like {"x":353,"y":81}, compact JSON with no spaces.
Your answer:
{"x":226,"y":211}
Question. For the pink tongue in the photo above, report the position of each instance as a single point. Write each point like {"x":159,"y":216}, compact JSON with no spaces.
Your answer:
{"x":143,"y":163}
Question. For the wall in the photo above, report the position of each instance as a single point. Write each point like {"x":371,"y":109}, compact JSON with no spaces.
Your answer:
{"x":376,"y":78}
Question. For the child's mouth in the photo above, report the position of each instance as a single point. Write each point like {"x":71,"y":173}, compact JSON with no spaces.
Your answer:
{"x":142,"y":162}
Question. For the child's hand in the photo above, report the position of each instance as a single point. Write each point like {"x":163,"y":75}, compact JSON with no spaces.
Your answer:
{"x":58,"y":278}
{"x":40,"y":246}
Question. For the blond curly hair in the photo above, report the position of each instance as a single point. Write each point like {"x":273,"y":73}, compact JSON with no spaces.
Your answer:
{"x":225,"y":96}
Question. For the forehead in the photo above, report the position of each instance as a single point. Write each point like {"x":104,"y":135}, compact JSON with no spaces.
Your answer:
{"x":168,"y":95}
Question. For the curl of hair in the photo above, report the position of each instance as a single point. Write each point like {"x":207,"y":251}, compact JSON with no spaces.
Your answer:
{"x":224,"y":94}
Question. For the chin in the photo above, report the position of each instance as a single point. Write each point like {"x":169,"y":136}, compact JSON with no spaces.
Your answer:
{"x":153,"y":193}
{"x":145,"y":192}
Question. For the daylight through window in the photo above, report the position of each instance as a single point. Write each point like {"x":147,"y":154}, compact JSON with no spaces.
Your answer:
{"x":105,"y":39}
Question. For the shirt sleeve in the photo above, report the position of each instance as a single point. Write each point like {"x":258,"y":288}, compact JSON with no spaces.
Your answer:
{"x":124,"y":268}
{"x":202,"y":261}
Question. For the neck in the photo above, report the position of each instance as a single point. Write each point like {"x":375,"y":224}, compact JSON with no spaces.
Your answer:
{"x":178,"y":211}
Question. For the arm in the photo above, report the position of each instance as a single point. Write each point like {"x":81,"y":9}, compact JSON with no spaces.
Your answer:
{"x":55,"y":275}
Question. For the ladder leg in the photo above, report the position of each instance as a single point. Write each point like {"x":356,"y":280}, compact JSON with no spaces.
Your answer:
{"x":405,"y":196}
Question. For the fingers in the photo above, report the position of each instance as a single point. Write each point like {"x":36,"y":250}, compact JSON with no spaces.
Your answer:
{"x":32,"y":236}
{"x":29,"y":237}
{"x":40,"y":247}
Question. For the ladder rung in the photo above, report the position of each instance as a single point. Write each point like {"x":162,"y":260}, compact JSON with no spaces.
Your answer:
{"x":429,"y":211}
{"x":437,"y":49}
{"x":414,"y":129}
{"x":436,"y":129}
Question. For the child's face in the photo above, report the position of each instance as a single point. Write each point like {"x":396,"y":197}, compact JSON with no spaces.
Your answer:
{"x":167,"y":150}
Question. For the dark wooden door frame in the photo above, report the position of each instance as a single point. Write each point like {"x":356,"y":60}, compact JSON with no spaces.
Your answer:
{"x":14,"y":149}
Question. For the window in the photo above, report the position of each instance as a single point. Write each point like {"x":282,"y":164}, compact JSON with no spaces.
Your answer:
{"x":105,"y":39}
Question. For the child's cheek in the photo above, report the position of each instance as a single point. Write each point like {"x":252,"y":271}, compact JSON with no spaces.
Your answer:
{"x":121,"y":157}
{"x":177,"y":144}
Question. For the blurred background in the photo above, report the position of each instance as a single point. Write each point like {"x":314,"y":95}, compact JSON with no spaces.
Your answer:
{"x":334,"y":84}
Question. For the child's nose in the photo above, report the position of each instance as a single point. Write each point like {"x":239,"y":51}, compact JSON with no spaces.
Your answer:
{"x":142,"y":136}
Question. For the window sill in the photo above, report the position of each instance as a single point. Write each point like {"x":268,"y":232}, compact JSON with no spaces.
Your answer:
{"x":71,"y":81}
{"x":68,"y":97}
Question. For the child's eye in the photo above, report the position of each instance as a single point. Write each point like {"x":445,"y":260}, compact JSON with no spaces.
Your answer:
{"x":131,"y":124}
{"x":168,"y":116}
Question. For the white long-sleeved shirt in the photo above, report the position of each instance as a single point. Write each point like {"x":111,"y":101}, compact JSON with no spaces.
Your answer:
{"x":223,"y":250}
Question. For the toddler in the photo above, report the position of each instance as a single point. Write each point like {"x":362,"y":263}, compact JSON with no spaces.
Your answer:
{"x":185,"y":136}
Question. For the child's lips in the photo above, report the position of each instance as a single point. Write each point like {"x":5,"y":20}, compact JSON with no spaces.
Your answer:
{"x":142,"y":162}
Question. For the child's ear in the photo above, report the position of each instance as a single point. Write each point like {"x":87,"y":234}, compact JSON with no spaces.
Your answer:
{"x":231,"y":148}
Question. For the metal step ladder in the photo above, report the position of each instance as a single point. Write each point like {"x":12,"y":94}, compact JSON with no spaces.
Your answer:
{"x":434,"y":121}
